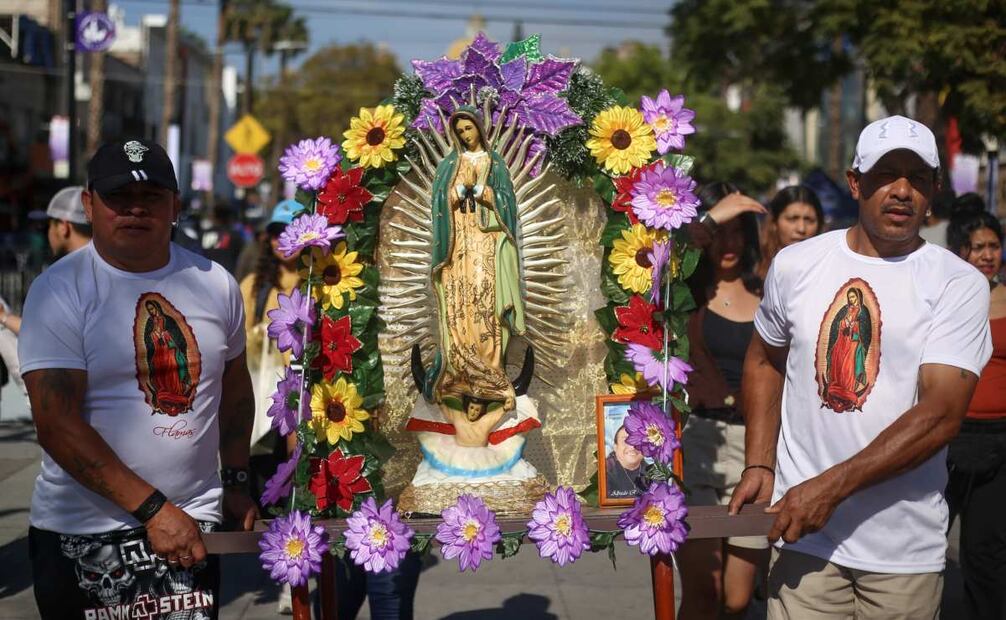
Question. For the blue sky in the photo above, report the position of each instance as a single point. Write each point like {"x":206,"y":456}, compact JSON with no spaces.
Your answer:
{"x":424,"y":29}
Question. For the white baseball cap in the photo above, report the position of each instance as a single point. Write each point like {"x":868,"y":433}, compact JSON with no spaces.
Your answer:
{"x":889,"y":134}
{"x":65,"y":205}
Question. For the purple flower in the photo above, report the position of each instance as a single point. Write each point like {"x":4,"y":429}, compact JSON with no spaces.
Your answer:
{"x":671,"y":121}
{"x":278,"y":487}
{"x":664,"y":198}
{"x":651,"y":364}
{"x":376,"y":537}
{"x":308,"y":230}
{"x":651,"y":431}
{"x":468,"y":532}
{"x":309,"y":163}
{"x":292,"y":548}
{"x":285,"y":403}
{"x":289,"y":322}
{"x":659,"y":257}
{"x":655,"y":523}
{"x":557,"y":527}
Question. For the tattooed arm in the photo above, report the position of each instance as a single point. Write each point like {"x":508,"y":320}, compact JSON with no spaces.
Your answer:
{"x":57,"y":398}
{"x":237,"y":415}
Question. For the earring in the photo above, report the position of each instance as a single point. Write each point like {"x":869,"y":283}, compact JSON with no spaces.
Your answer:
{"x":929,"y":213}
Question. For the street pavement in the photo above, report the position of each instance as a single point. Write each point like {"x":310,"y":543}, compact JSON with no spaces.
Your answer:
{"x":523,"y":587}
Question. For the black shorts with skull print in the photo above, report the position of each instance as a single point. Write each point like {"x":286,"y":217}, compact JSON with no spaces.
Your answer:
{"x":116,"y":575}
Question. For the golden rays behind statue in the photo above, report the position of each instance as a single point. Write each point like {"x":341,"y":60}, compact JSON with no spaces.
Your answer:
{"x":480,"y":269}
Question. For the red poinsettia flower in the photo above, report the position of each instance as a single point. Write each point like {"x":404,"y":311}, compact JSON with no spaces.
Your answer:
{"x":635,"y":324}
{"x":342,"y":199}
{"x":337,"y":479}
{"x":337,"y":347}
{"x":623,"y":193}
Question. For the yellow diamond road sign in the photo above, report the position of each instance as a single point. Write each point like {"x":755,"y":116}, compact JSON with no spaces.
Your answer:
{"x":247,"y":135}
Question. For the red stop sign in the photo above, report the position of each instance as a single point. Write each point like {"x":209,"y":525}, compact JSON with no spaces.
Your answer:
{"x":245,"y":169}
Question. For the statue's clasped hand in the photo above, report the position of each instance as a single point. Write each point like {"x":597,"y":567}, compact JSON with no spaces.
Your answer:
{"x":467,"y":194}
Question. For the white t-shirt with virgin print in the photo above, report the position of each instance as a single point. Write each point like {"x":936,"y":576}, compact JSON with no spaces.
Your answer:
{"x":858,"y":329}
{"x":154,"y":347}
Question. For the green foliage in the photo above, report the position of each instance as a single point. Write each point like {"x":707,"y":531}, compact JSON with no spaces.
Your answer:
{"x":947,"y":55}
{"x":421,"y":543}
{"x":587,"y":95}
{"x":600,"y":541}
{"x":509,"y":544}
{"x":747,"y":147}
{"x":321,"y":97}
{"x":951,"y":51}
{"x":409,"y":95}
{"x":786,"y":43}
{"x":260,"y":24}
{"x":637,"y":70}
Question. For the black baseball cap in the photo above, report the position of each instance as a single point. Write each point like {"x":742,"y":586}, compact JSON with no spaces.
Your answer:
{"x":130,"y":161}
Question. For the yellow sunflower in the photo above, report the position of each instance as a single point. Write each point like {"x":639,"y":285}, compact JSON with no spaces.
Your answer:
{"x":335,"y":411}
{"x":630,"y":384}
{"x":621,"y":140}
{"x":339,"y":273}
{"x":374,"y":136}
{"x":629,"y":258}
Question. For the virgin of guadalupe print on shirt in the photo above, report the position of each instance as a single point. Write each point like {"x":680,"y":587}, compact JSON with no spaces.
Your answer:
{"x":168,"y":363}
{"x":848,"y":348}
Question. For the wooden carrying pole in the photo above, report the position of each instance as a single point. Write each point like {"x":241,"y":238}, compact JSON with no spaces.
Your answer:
{"x":703,"y":521}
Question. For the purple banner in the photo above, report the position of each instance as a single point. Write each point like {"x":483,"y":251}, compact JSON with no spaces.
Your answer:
{"x":95,"y":32}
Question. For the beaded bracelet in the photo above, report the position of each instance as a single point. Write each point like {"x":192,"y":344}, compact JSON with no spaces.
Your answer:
{"x":770,"y":470}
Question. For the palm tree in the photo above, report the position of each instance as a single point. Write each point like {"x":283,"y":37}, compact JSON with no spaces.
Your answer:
{"x":170,"y":71}
{"x":293,"y":41}
{"x":258,"y":25}
{"x":96,"y":107}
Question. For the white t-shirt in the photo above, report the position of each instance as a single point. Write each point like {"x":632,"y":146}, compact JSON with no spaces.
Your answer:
{"x":858,"y":328}
{"x":154,"y":346}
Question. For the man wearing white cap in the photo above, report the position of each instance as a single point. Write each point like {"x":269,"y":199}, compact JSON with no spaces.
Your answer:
{"x":868,"y":345}
{"x":69,"y":229}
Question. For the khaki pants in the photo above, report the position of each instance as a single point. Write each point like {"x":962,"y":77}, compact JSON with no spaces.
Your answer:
{"x":805,"y":587}
{"x":714,"y":460}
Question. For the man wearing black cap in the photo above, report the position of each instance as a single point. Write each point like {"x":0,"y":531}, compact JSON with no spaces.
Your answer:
{"x":132,"y":350}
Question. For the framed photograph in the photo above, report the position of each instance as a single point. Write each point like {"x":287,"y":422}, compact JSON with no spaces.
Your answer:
{"x":620,"y":467}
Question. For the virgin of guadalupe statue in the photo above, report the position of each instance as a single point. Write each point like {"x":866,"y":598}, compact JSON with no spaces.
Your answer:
{"x":848,"y":344}
{"x":475,"y":276}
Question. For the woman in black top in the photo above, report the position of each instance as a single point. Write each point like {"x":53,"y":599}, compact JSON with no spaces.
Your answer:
{"x":718,"y":575}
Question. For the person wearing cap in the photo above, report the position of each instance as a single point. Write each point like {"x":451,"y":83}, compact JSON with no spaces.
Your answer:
{"x":132,"y":350}
{"x":68,"y":231}
{"x":868,"y":344}
{"x":273,"y":274}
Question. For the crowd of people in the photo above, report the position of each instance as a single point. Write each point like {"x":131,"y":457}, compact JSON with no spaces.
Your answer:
{"x":832,"y":369}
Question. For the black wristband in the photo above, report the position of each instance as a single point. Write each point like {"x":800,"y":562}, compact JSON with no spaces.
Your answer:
{"x":234,"y":477}
{"x":150,"y":507}
{"x":770,"y":470}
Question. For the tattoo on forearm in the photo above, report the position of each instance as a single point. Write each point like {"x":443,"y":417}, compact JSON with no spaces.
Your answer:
{"x":88,"y":471}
